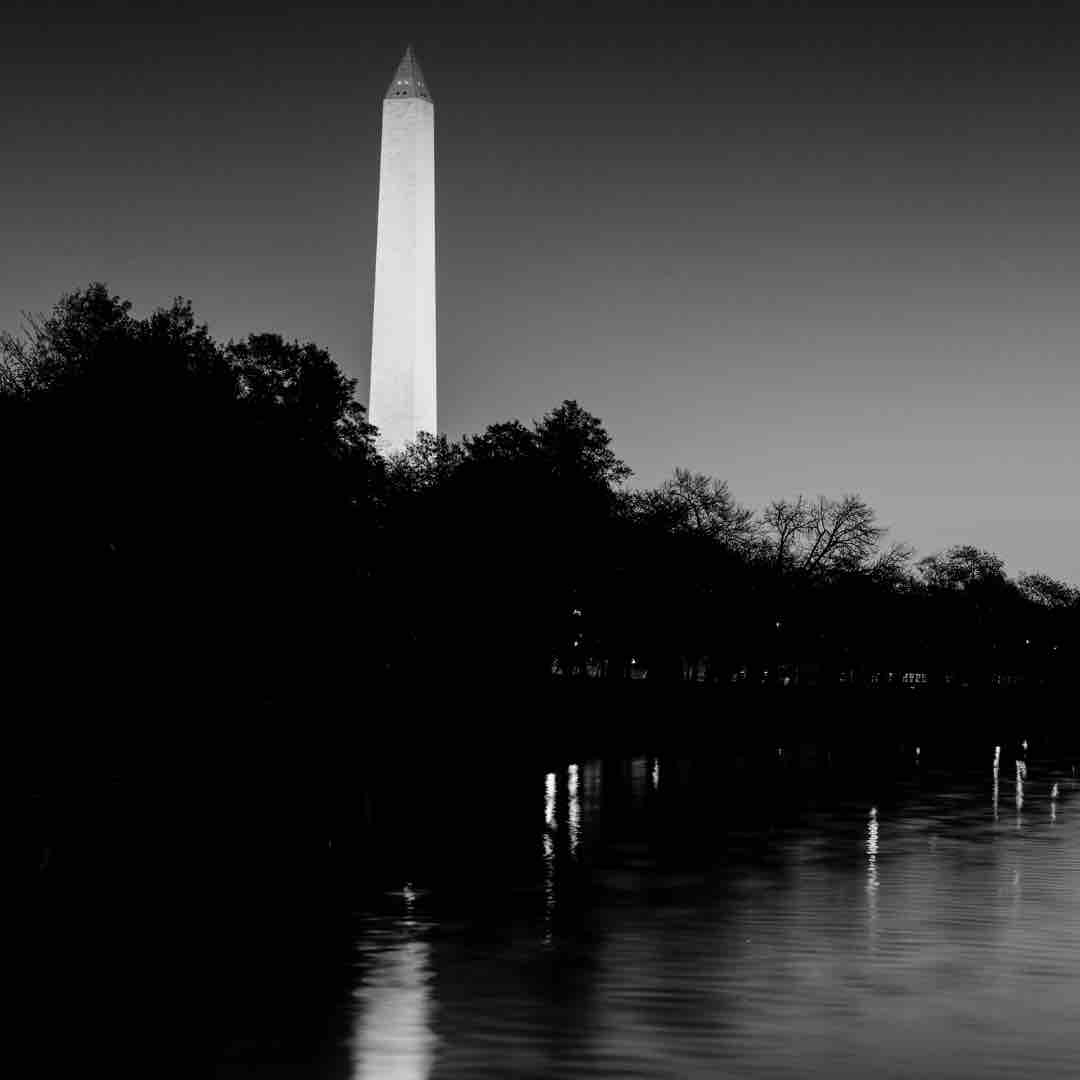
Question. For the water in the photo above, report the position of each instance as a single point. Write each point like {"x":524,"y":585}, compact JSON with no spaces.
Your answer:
{"x":658,"y":916}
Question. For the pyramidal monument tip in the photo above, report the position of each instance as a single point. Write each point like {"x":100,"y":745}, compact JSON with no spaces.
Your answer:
{"x":408,"y":81}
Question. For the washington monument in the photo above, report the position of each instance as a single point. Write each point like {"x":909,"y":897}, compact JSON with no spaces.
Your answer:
{"x":401,"y":402}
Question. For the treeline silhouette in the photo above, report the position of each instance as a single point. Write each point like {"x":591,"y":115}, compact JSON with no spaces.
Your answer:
{"x":187,"y":520}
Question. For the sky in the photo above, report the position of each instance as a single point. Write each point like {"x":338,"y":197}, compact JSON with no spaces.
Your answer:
{"x":804,"y":248}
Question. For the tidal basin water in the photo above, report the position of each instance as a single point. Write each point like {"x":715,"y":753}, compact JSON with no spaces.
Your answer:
{"x":666,"y":916}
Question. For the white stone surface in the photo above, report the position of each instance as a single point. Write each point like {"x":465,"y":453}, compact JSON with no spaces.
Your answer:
{"x":402,"y":399}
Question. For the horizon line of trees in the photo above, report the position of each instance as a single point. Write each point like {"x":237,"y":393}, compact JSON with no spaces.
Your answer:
{"x":187,"y":517}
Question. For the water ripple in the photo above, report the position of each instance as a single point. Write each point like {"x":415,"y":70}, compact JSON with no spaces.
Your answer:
{"x":934,"y":931}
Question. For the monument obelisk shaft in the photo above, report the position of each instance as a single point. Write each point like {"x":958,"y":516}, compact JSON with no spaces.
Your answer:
{"x":402,"y":398}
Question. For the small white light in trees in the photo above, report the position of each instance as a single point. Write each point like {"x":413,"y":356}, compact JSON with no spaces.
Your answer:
{"x":1024,"y":745}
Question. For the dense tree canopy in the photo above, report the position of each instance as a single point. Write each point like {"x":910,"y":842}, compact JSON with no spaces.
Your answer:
{"x":180,"y":503}
{"x":186,"y":515}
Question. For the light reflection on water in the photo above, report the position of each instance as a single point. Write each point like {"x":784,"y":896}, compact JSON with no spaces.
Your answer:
{"x":573,"y":812}
{"x":872,"y":881}
{"x":747,"y":956}
{"x":547,"y":841}
{"x":392,"y":1036}
{"x":592,"y":781}
{"x":1021,"y":773}
{"x":639,"y":771}
{"x":997,"y":762}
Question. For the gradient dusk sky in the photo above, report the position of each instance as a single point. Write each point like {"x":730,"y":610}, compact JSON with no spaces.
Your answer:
{"x":801,"y":247}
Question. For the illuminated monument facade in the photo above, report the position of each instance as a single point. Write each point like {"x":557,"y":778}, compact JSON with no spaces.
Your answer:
{"x":401,"y":402}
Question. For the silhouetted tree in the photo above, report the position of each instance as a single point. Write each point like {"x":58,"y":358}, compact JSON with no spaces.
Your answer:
{"x":1051,"y":629}
{"x":975,"y":607}
{"x":190,"y":516}
{"x":426,"y":463}
{"x":577,"y":449}
{"x":695,"y":504}
{"x":822,"y":535}
{"x":1047,"y":592}
{"x":82,"y":339}
{"x":684,"y":552}
{"x":299,"y":386}
{"x":962,"y":567}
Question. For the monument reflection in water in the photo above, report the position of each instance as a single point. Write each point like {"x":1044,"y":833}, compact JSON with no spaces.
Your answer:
{"x":392,"y":1035}
{"x":703,"y":927}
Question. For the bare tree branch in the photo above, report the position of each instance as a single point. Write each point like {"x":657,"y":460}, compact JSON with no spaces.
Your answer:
{"x":696,"y":504}
{"x":821,"y":536}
